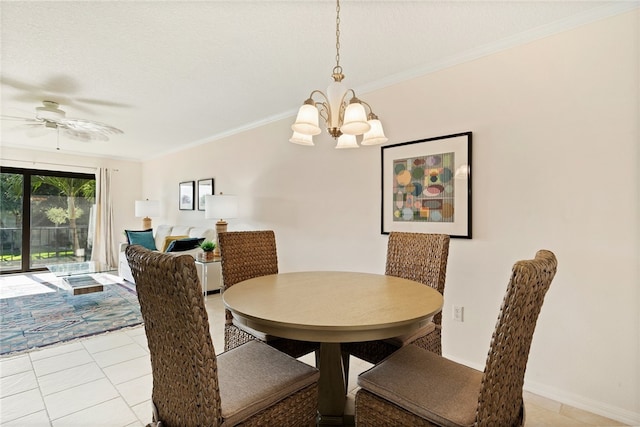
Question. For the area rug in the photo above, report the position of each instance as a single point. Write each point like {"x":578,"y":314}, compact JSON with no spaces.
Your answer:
{"x":54,"y":315}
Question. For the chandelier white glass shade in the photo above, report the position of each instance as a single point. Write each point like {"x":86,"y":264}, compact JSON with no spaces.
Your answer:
{"x":344,"y":114}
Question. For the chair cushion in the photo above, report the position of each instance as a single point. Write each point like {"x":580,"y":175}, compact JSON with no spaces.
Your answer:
{"x":254,"y":376}
{"x":430,"y":386}
{"x":142,"y":238}
{"x":403,"y":340}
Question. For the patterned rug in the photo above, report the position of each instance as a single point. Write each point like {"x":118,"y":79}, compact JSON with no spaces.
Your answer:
{"x":36,"y":311}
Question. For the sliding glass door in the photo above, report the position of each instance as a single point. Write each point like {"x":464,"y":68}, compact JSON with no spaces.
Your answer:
{"x":45,"y":218}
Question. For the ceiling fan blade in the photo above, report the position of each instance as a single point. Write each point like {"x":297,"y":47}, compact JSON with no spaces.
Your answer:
{"x":24,"y":119}
{"x":103,"y":103}
{"x":84,"y":136}
{"x":37,"y":131}
{"x":81,"y":125}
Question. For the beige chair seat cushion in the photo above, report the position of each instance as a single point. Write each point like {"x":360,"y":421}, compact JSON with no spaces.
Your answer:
{"x":402,"y":340}
{"x":416,"y":379}
{"x":254,"y":376}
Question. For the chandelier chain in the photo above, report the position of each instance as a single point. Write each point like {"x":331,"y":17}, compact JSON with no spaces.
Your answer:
{"x":337,"y":33}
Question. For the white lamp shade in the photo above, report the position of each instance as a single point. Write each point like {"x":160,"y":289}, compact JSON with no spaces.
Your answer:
{"x":298,"y":138}
{"x":147,"y":208}
{"x":307,"y":120}
{"x":375,"y":135}
{"x":355,"y":120}
{"x":347,"y":141}
{"x":221,"y":206}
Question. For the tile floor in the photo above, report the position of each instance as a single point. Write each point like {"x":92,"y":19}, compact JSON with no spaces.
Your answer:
{"x":106,"y":381}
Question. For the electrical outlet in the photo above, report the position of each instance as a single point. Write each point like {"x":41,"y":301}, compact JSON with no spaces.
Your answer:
{"x":458,"y":313}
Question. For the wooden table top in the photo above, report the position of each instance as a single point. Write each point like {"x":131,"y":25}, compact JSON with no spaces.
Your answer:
{"x":332,"y":306}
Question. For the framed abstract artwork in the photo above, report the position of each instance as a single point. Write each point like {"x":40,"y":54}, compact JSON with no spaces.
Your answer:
{"x":186,"y":196}
{"x":205,"y":188}
{"x":426,"y":186}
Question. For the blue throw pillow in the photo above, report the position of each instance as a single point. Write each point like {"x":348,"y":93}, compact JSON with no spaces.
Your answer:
{"x":142,"y":238}
{"x":184,"y":244}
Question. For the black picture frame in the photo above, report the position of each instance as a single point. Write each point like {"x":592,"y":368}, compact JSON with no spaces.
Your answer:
{"x":186,"y":196}
{"x":426,"y":186}
{"x":205,"y":188}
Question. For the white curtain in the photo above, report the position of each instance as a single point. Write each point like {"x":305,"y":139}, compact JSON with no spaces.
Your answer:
{"x":103,"y":242}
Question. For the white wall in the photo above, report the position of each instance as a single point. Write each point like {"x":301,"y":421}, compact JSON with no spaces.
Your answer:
{"x":126,"y":178}
{"x":555,"y":165}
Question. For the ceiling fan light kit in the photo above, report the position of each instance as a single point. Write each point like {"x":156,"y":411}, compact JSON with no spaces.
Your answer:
{"x":344,"y":113}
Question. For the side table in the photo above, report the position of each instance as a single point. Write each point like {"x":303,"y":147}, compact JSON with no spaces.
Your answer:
{"x":205,"y":264}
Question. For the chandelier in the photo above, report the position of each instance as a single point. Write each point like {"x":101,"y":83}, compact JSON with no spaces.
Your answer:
{"x":344,"y":113}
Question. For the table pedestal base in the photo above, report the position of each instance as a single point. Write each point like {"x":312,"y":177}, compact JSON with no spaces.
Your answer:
{"x":332,"y":388}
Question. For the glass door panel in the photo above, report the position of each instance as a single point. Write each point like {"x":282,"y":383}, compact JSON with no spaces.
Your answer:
{"x":60,"y":213}
{"x":11,"y":218}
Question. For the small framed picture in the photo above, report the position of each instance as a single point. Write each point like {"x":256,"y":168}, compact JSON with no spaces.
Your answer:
{"x":186,"y":196}
{"x":426,"y":186}
{"x":205,"y":188}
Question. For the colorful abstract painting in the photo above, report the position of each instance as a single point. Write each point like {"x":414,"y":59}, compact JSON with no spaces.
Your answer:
{"x":426,"y":186}
{"x":423,"y":188}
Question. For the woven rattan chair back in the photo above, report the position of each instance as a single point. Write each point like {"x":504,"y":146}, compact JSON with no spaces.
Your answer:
{"x":245,"y":255}
{"x":420,"y":257}
{"x":183,"y":360}
{"x":500,"y":401}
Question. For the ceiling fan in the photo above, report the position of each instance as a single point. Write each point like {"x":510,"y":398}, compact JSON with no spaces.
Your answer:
{"x":51,"y":116}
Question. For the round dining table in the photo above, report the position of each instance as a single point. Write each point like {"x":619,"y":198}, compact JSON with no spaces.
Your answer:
{"x":332,"y":307}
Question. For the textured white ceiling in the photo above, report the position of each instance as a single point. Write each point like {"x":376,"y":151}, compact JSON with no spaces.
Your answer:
{"x":175,"y":73}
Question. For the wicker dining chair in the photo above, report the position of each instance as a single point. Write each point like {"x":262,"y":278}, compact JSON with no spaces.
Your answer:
{"x":415,"y":256}
{"x":245,"y":255}
{"x":253,"y":384}
{"x":414,"y":387}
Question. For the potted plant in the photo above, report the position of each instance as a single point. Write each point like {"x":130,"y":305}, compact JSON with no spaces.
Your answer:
{"x":208,"y":246}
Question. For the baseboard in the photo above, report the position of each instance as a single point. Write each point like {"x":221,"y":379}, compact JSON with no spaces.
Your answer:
{"x":570,"y":399}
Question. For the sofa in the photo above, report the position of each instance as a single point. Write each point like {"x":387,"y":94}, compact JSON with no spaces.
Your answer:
{"x":173,"y":238}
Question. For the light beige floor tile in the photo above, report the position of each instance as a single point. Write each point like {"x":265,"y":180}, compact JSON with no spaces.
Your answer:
{"x":543,"y":402}
{"x":587,"y":417}
{"x":61,"y":362}
{"x":69,"y":378}
{"x":128,"y":370}
{"x":15,"y":365}
{"x":107,"y":341}
{"x":20,"y":405}
{"x":137,"y":390}
{"x":18,"y":383}
{"x":141,"y":340}
{"x":135,"y":331}
{"x":78,"y":398}
{"x":135,"y":424}
{"x":112,"y":413}
{"x":38,"y":419}
{"x":55,"y":350}
{"x":119,"y":354}
{"x":143,"y":411}
{"x":537,"y":416}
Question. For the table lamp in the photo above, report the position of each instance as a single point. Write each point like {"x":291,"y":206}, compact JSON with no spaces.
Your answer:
{"x":146,"y":209}
{"x":219,"y":207}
